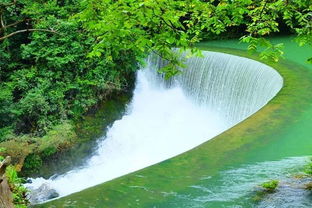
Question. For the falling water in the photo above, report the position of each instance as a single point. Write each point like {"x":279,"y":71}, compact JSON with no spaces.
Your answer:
{"x":231,"y":86}
{"x":211,"y":95}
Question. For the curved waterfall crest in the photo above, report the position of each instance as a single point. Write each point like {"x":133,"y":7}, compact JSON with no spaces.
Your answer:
{"x":167,"y":118}
{"x":232,"y":86}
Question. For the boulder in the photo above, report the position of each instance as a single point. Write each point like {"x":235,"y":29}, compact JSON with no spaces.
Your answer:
{"x":43,"y":193}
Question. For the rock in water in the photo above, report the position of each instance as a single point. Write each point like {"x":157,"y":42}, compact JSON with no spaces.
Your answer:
{"x":43,"y":193}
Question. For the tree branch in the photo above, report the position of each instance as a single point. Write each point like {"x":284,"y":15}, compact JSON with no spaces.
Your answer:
{"x":8,"y":4}
{"x":3,"y":27}
{"x":26,"y":30}
{"x":263,"y":8}
{"x":164,"y":21}
{"x":1,"y":20}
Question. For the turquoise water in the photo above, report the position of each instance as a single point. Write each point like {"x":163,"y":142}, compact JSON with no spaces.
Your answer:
{"x":292,"y":51}
{"x":226,"y":171}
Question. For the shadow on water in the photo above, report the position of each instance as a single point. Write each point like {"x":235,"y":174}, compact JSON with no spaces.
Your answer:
{"x":92,"y":128}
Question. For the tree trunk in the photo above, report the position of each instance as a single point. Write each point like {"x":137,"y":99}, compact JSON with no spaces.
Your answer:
{"x":6,"y":200}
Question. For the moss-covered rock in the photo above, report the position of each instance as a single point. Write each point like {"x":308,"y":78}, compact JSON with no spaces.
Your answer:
{"x":270,"y":186}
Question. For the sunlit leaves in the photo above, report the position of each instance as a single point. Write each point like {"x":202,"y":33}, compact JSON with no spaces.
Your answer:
{"x":145,"y":26}
{"x":265,"y":18}
{"x":268,"y":51}
{"x":142,"y":26}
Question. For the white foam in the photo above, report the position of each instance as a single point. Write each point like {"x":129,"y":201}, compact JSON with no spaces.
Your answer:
{"x":160,"y":123}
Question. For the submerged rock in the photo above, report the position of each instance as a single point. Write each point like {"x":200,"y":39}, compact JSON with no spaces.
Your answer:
{"x":292,"y":192}
{"x":43,"y":193}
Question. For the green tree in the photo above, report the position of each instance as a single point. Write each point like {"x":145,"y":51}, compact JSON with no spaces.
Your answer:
{"x":145,"y":26}
{"x":45,"y":76}
{"x":142,"y":27}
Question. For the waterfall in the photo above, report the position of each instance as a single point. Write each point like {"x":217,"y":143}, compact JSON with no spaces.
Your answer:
{"x":167,"y":118}
{"x":231,"y":86}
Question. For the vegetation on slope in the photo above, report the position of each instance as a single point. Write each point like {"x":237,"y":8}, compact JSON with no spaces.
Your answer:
{"x":158,"y":26}
{"x":45,"y":77}
{"x":18,"y":190}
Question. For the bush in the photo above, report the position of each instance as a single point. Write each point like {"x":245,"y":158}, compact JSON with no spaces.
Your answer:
{"x":48,"y":152}
{"x":32,"y":164}
{"x":18,"y":190}
{"x":308,"y":168}
{"x":1,"y":150}
{"x":270,"y":186}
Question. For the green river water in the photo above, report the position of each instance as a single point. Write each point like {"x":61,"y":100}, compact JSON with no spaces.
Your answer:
{"x":225,"y":171}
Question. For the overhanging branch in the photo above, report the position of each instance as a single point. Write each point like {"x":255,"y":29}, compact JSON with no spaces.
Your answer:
{"x":27,"y":30}
{"x":8,"y":4}
{"x":3,"y":27}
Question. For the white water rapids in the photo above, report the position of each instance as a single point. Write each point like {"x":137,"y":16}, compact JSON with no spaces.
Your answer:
{"x":213,"y":94}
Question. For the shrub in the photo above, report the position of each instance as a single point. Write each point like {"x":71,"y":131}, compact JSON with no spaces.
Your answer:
{"x":270,"y":186}
{"x":48,"y":152}
{"x":308,"y":168}
{"x":32,"y":163}
{"x":18,"y":190}
{"x":1,"y":150}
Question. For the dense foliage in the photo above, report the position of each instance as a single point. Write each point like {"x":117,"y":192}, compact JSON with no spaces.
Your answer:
{"x":145,"y":26}
{"x":270,"y":186}
{"x":1,"y":150}
{"x":18,"y":190}
{"x":60,"y":57}
{"x":45,"y":76}
{"x":308,"y":167}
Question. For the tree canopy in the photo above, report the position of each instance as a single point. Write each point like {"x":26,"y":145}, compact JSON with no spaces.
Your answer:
{"x":46,"y":77}
{"x":145,"y":26}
